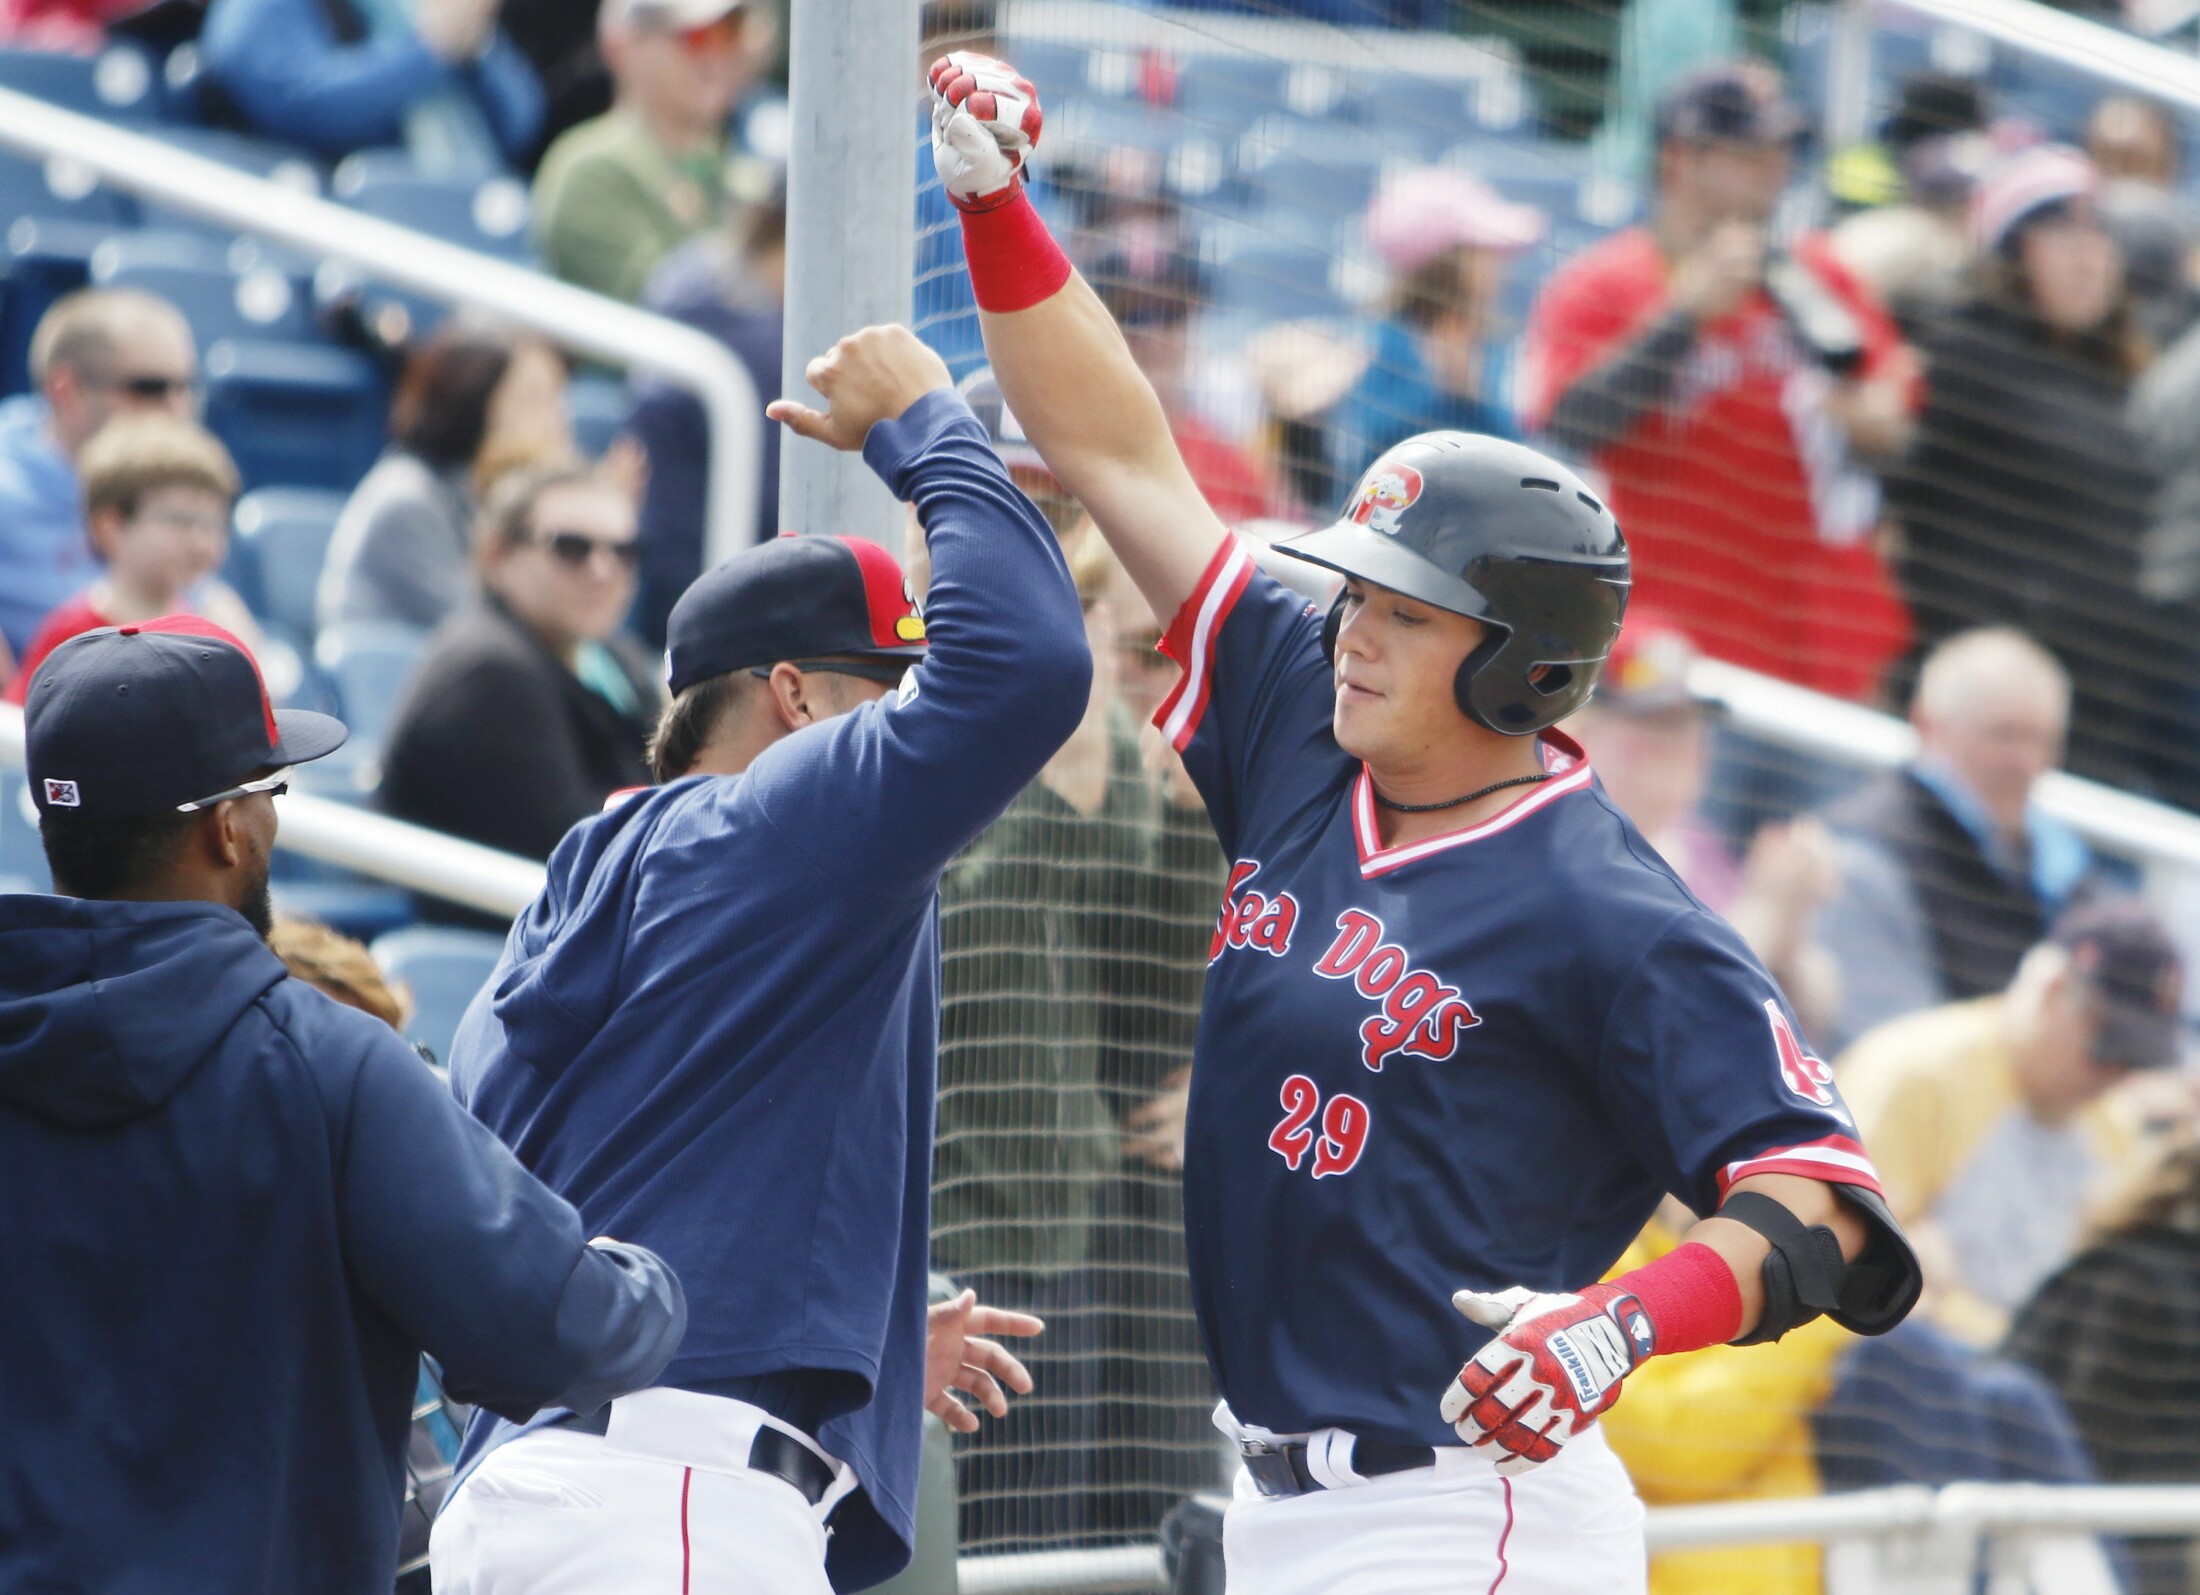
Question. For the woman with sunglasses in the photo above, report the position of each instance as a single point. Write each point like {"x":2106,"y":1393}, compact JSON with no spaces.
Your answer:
{"x":528,"y":710}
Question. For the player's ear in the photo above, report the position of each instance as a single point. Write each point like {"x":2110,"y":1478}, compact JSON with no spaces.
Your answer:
{"x":790,"y":696}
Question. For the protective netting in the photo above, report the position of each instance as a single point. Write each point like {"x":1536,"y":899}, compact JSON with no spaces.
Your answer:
{"x":1902,"y":413}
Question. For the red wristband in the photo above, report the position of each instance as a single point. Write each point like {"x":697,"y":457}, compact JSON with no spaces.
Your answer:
{"x":1014,"y":261}
{"x":1691,"y":1296}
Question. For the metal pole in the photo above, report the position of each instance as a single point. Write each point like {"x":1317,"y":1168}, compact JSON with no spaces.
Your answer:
{"x":851,"y":229}
{"x":1849,"y":73}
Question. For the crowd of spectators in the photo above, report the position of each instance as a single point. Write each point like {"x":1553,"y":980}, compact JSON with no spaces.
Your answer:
{"x":1941,"y":457}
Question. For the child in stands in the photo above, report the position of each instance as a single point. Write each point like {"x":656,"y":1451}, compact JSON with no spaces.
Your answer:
{"x":157,"y":495}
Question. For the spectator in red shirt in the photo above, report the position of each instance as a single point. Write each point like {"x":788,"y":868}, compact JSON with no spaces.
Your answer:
{"x":157,"y":492}
{"x":1147,"y":277}
{"x":1727,"y":390}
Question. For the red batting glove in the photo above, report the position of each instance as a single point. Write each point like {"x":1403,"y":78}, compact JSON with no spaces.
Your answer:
{"x":985,"y":124}
{"x":1555,"y":1363}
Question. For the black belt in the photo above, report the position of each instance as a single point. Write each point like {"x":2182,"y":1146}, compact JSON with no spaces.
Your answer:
{"x":780,"y":1455}
{"x":1280,"y":1468}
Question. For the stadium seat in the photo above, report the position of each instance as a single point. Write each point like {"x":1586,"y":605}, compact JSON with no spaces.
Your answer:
{"x":1227,"y":94}
{"x":22,"y":859}
{"x":117,"y":83}
{"x":490,"y":217}
{"x":487,"y":217}
{"x":599,"y":407}
{"x":1055,"y":70}
{"x":1260,"y":279}
{"x":1308,"y":197}
{"x":444,"y":968}
{"x":295,"y":415}
{"x":193,"y":272}
{"x":370,"y":663}
{"x":282,"y":537}
{"x":45,"y":257}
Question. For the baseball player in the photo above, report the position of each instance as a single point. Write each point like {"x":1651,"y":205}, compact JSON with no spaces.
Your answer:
{"x":719,"y":1024}
{"x":1463,"y":1027}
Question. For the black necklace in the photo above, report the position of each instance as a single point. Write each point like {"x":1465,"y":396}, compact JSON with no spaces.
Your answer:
{"x":1431,"y":808}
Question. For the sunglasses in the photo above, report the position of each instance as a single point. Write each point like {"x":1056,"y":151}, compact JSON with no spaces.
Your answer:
{"x":722,"y":34}
{"x":152,"y":389}
{"x":274,"y":786}
{"x":864,"y":670}
{"x":578,"y":548}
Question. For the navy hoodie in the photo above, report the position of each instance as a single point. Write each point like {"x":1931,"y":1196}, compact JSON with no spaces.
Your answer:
{"x":235,"y":1213}
{"x":716,"y":1031}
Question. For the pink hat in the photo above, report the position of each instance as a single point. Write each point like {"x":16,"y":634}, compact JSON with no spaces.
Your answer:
{"x":1421,"y":213}
{"x":2028,"y":181}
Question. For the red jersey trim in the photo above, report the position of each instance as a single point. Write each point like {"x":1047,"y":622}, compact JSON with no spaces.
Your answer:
{"x":1836,"y":1159}
{"x":1375,"y":859}
{"x":1190,"y":641}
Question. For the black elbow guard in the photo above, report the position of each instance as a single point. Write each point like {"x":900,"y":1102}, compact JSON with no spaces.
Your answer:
{"x":1806,"y":1276}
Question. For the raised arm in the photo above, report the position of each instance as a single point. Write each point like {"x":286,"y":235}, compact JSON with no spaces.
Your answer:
{"x":1062,"y":365}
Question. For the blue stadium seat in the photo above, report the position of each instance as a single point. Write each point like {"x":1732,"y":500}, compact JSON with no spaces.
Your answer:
{"x":599,"y":407}
{"x":193,"y":272}
{"x":371,"y":664}
{"x":282,"y":537}
{"x":57,"y":213}
{"x":1055,"y":70}
{"x":359,"y":908}
{"x":117,"y":83}
{"x":1260,"y":279}
{"x":1227,"y":94}
{"x":45,"y":257}
{"x":1309,"y":196}
{"x":487,"y":217}
{"x":22,"y":859}
{"x":1423,"y":115}
{"x":490,"y":217}
{"x":444,"y":968}
{"x":295,"y":415}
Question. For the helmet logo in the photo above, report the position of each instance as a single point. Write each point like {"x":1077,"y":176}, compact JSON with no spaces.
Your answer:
{"x":1384,"y":494}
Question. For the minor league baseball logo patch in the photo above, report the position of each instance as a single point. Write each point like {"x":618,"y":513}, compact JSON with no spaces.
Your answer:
{"x":1384,"y":494}
{"x":62,"y":794}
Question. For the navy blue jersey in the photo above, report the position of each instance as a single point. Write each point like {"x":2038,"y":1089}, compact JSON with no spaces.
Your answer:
{"x":715,"y":1032}
{"x":1476,"y":1061}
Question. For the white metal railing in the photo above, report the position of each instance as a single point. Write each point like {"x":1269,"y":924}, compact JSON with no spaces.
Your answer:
{"x":588,"y":323}
{"x":373,"y":844}
{"x":1958,"y":1519}
{"x":2115,"y":56}
{"x":1789,"y":716}
{"x":1847,"y":733}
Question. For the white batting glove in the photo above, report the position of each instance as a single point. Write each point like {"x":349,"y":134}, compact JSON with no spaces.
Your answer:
{"x":985,"y":124}
{"x":1555,"y":1363}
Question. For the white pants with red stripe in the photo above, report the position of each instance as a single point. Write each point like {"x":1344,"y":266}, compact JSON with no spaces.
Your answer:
{"x":1570,"y":1527}
{"x":652,"y":1505}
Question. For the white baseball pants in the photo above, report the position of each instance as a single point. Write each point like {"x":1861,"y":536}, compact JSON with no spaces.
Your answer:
{"x":1570,"y":1527}
{"x":661,"y":1502}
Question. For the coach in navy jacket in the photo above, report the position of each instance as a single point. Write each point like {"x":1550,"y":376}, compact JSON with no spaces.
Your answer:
{"x":716,"y":1031}
{"x":236,"y":1211}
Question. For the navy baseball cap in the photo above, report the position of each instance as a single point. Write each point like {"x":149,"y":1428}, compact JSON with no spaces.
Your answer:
{"x":2123,"y":952}
{"x":1731,"y":102}
{"x":794,"y":598}
{"x":137,"y":720}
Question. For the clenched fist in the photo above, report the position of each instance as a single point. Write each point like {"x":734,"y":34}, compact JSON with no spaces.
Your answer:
{"x":985,"y":124}
{"x":867,"y":377}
